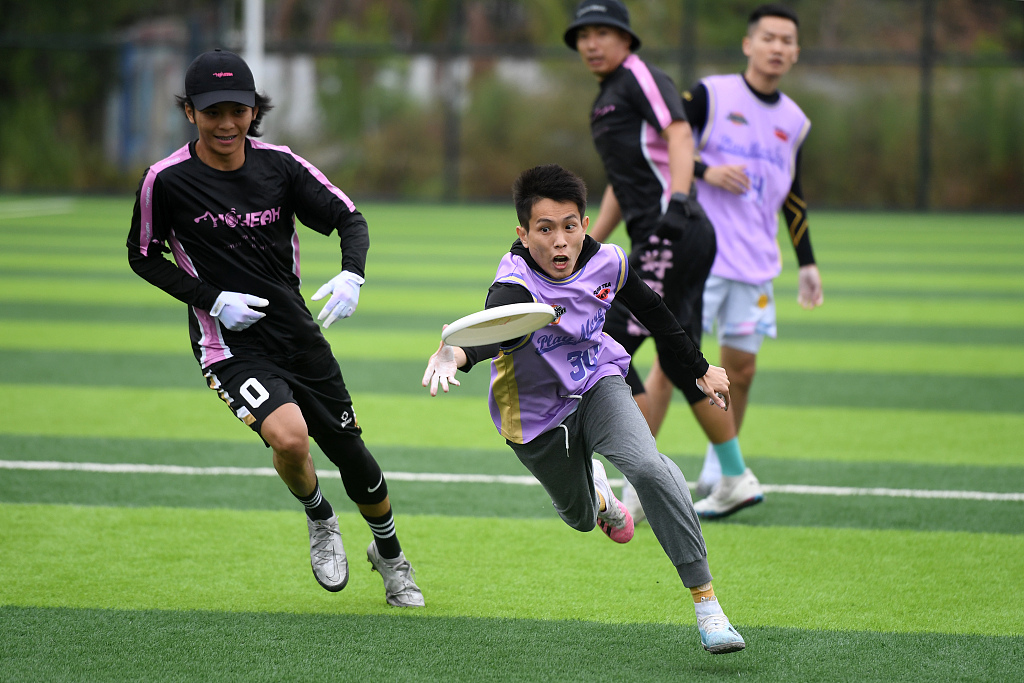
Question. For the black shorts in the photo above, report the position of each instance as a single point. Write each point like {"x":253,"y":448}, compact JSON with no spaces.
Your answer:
{"x":253,"y":387}
{"x":676,"y":270}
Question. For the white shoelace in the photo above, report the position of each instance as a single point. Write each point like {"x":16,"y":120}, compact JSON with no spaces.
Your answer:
{"x":714,"y":622}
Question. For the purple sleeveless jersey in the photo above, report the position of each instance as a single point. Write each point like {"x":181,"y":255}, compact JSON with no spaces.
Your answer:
{"x":742,"y":129}
{"x":536,"y":383}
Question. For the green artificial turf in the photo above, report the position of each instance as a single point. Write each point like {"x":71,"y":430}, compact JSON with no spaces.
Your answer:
{"x":177,"y":559}
{"x":908,"y":377}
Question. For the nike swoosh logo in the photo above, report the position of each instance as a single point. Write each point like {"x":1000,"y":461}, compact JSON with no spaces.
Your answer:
{"x":371,"y":490}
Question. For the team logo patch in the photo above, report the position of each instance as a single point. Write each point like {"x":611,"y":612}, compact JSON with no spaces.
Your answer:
{"x":738,"y":118}
{"x":782,"y":135}
{"x":603,"y":291}
{"x":762,"y":301}
{"x":559,"y":310}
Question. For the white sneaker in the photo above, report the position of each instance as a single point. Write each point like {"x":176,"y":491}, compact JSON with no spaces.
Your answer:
{"x":717,"y":635}
{"x":632,"y":503}
{"x":399,"y":587}
{"x":710,"y":473}
{"x":730,"y":495}
{"x":615,"y":521}
{"x":327,"y":554}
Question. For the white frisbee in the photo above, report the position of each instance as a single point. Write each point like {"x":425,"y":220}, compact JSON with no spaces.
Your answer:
{"x":498,"y":324}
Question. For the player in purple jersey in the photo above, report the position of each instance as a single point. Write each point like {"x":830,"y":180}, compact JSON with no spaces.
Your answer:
{"x":749,"y":138}
{"x":646,"y":145}
{"x":558,"y":395}
{"x":225,"y":206}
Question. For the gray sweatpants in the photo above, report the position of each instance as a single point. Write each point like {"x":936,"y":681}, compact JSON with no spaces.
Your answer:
{"x":609,"y":422}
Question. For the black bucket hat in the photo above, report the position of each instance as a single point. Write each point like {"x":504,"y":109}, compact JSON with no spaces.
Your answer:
{"x":600,"y":13}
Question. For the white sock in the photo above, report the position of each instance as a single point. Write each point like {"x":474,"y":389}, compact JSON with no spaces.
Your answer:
{"x":707,"y":608}
{"x":601,"y":484}
{"x":712,"y":469}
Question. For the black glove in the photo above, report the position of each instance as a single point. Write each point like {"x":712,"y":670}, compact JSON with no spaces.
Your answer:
{"x":681,"y":211}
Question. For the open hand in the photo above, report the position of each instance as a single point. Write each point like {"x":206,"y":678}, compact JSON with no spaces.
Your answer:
{"x":441,"y":368}
{"x":344,"y":291}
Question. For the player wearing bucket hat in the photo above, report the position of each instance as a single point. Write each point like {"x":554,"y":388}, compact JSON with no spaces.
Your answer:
{"x":600,"y":13}
{"x":642,"y":135}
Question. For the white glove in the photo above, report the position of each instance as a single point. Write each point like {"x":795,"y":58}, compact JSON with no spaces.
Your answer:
{"x":232,"y":309}
{"x":344,"y":288}
{"x":441,"y":368}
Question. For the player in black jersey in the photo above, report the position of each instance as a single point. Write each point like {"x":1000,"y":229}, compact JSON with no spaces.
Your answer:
{"x":225,"y":207}
{"x":646,"y":145}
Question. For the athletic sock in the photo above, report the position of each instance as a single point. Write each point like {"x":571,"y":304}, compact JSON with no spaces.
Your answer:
{"x":317,"y":507}
{"x":703,"y":593}
{"x":731,"y":458}
{"x":383,"y":530}
{"x":711,"y":470}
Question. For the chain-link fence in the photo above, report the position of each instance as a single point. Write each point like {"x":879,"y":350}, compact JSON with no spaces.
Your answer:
{"x":912,"y":105}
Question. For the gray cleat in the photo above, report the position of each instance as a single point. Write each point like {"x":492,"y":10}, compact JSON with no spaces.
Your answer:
{"x":327,"y":554}
{"x":399,"y":587}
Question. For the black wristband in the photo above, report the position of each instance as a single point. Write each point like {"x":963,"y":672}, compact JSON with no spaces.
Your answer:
{"x":680,"y":197}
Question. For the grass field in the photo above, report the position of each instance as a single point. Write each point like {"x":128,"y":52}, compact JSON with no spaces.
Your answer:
{"x":887,"y":426}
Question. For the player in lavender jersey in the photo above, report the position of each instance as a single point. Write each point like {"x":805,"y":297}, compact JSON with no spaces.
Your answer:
{"x":646,"y":145}
{"x":225,"y":206}
{"x":749,"y":137}
{"x":558,"y":395}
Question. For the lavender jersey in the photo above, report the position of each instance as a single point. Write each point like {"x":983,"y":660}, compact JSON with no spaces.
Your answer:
{"x":742,"y":129}
{"x":536,"y":383}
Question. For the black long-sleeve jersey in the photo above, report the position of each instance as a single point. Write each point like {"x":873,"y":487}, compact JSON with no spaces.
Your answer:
{"x":642,"y":301}
{"x":635,"y":104}
{"x":794,"y":209}
{"x":235,"y":231}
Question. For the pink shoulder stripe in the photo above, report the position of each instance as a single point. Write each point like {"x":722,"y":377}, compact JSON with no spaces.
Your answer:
{"x":146,"y":196}
{"x":650,"y":89}
{"x":256,"y":144}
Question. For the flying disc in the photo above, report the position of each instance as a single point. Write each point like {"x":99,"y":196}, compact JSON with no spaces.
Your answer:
{"x":498,"y":324}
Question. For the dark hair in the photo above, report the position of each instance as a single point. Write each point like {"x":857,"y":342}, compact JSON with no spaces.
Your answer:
{"x":550,"y":181}
{"x":772,"y":10}
{"x":263,"y":105}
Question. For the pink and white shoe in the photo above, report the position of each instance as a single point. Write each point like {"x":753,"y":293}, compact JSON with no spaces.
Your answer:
{"x":615,"y":520}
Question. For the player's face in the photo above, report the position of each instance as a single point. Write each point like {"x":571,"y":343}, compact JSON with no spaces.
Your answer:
{"x":555,"y":237}
{"x":602,"y":48}
{"x":771,"y":47}
{"x":222,"y":129}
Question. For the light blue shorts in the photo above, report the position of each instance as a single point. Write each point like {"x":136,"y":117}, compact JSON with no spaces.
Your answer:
{"x":744,"y":314}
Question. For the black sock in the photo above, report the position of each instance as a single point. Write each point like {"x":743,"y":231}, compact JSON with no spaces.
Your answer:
{"x":317,"y":507}
{"x":383,"y":530}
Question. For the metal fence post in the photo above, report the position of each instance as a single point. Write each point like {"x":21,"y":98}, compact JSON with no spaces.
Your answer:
{"x":924,"y":129}
{"x":453,"y":97}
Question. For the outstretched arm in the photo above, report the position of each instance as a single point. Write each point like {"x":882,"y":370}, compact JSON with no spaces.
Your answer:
{"x":442,"y":366}
{"x":651,"y":311}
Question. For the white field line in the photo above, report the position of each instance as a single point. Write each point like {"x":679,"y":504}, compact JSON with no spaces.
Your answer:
{"x":29,"y":208}
{"x":441,"y":478}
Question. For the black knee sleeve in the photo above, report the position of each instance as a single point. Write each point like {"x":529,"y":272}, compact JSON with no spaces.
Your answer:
{"x":361,"y":475}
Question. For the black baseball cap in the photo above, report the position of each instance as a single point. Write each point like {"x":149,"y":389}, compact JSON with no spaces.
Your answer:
{"x":600,"y":13}
{"x":219,"y":76}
